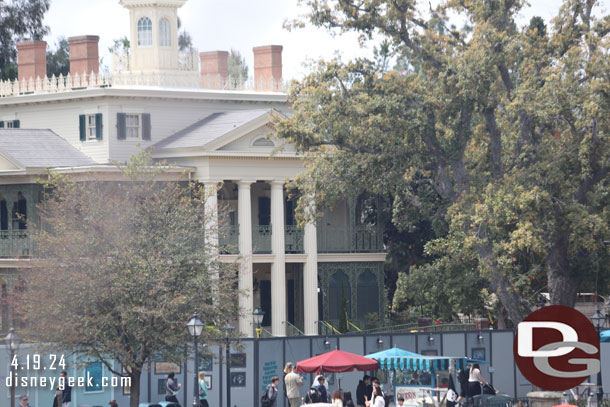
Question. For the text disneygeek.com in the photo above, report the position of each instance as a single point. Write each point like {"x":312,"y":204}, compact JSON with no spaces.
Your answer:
{"x":60,"y":383}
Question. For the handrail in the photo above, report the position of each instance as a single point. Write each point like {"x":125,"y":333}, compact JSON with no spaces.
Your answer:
{"x":350,"y":323}
{"x":332,"y":328}
{"x":290,"y":325}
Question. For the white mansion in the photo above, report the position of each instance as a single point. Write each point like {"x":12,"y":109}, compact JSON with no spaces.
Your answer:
{"x":186,"y":108}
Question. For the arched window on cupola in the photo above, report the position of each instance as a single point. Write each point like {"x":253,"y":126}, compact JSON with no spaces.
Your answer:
{"x":165,"y":35}
{"x":144,"y":32}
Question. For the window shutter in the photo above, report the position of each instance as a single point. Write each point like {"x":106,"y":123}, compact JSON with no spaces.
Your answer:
{"x":82,"y":121}
{"x":98,"y":126}
{"x":121,"y":126}
{"x":2,"y":124}
{"x":145,"y":126}
{"x":15,"y":124}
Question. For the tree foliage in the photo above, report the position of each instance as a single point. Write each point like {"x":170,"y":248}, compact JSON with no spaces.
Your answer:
{"x":122,"y":265}
{"x":19,"y":20}
{"x":58,"y":60}
{"x":496,"y":135}
{"x":237,"y":67}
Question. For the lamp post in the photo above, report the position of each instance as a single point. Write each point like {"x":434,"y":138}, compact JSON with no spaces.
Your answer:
{"x":228,"y":329}
{"x":599,"y":320}
{"x":258,"y":315}
{"x":12,"y":340}
{"x":195,"y":327}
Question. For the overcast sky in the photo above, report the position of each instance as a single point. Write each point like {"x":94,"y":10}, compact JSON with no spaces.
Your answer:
{"x":226,"y":24}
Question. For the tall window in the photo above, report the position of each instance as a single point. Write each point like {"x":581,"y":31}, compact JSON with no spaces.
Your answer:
{"x":339,"y":295}
{"x":165,"y":36}
{"x":132,"y":123}
{"x":368,"y":294}
{"x":144,"y":31}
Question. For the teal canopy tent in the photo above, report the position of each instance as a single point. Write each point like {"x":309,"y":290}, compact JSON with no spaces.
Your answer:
{"x":400,"y":359}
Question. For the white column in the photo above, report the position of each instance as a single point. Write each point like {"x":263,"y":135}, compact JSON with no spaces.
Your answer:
{"x":211,"y":224}
{"x":246,"y":300}
{"x":211,"y":211}
{"x":310,"y":280}
{"x":278,"y":268}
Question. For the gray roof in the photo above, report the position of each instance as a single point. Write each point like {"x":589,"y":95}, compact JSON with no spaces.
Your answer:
{"x":210,"y":128}
{"x":40,"y":148}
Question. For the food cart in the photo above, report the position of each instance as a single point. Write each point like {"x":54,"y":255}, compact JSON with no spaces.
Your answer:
{"x":419,"y":379}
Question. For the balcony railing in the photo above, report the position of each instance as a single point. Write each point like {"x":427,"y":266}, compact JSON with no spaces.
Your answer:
{"x":229,"y":239}
{"x":261,"y":239}
{"x":15,"y":243}
{"x":293,"y":239}
{"x":357,"y":239}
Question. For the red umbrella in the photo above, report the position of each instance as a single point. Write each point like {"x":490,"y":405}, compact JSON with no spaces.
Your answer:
{"x":336,"y":361}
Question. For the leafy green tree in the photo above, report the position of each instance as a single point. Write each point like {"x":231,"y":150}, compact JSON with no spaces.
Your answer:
{"x":120,"y":267}
{"x":237,"y":67}
{"x":121,"y":45}
{"x":19,"y":20}
{"x":58,"y":61}
{"x":500,"y":137}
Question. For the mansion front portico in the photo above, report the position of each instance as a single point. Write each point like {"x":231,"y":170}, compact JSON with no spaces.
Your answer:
{"x":300,"y":276}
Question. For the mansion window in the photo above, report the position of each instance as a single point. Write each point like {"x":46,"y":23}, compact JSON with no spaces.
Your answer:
{"x":90,"y":126}
{"x":9,"y":124}
{"x":133,"y":126}
{"x":263,"y":142}
{"x":165,"y":35}
{"x":144,"y":32}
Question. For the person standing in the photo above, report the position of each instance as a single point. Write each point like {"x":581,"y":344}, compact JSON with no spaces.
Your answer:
{"x":113,"y":403}
{"x":287,"y":369}
{"x":377,"y":400}
{"x":293,"y":381}
{"x":171,"y":388}
{"x":474,"y":380}
{"x":361,"y":390}
{"x":322,"y":389}
{"x":338,"y":398}
{"x":203,"y":390}
{"x":272,"y":391}
{"x":23,"y":401}
{"x":66,"y":391}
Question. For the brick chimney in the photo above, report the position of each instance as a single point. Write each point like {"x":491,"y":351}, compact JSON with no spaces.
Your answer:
{"x":268,"y":67}
{"x":214,"y":69}
{"x":31,"y":60}
{"x":84,"y":54}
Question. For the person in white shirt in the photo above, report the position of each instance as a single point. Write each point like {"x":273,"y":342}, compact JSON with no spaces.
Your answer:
{"x":474,"y":380}
{"x":377,"y":400}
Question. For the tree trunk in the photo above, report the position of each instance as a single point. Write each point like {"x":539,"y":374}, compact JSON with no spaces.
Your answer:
{"x":501,"y":285}
{"x":134,"y":396}
{"x":562,"y":288}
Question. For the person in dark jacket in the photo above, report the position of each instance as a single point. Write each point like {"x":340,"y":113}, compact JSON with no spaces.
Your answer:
{"x":361,"y":390}
{"x":66,"y":393}
{"x":171,"y":388}
{"x":272,"y":391}
{"x":347,"y":399}
{"x":312,"y":396}
{"x":322,"y":389}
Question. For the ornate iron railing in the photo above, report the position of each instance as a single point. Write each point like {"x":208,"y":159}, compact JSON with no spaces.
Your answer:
{"x":261,"y":239}
{"x":293,"y":238}
{"x":357,"y":239}
{"x":15,"y":243}
{"x":229,"y":239}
